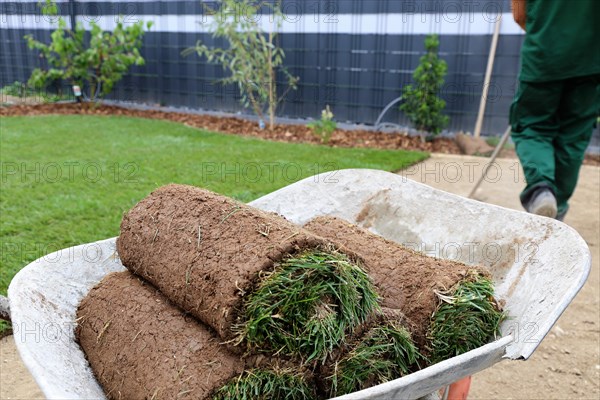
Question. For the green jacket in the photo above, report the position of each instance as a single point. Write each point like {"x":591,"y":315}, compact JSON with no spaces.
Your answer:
{"x":562,"y":40}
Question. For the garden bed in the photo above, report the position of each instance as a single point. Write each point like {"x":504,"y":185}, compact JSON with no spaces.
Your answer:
{"x":239,"y":126}
{"x":283,"y":132}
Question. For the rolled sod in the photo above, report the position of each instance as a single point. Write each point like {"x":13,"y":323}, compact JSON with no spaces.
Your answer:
{"x":382,"y":351}
{"x":467,"y":317}
{"x":261,"y":384}
{"x":140,"y":346}
{"x":308,"y":305}
{"x":421,"y":286}
{"x":209,"y":255}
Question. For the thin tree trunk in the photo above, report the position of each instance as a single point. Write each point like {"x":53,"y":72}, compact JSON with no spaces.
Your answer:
{"x":255,"y":106}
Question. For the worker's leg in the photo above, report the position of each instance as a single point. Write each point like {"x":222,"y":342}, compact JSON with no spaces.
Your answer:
{"x":534,"y":122}
{"x":577,"y":115}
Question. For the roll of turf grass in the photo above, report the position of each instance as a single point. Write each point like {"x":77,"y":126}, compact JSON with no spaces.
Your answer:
{"x":140,"y":346}
{"x":381,"y":351}
{"x":451,"y":304}
{"x":253,"y":277}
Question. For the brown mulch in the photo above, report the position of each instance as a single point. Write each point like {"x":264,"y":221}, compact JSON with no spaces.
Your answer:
{"x":238,"y":126}
{"x":243,"y":127}
{"x":592,"y":159}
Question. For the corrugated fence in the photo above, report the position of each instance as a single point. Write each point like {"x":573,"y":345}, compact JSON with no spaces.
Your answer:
{"x":355,"y":55}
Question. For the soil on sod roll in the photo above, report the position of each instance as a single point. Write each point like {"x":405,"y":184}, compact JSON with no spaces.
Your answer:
{"x":140,"y":346}
{"x":406,"y":280}
{"x":208,"y":254}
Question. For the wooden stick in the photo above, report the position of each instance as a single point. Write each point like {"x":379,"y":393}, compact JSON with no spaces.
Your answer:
{"x":497,"y":151}
{"x":488,"y":77}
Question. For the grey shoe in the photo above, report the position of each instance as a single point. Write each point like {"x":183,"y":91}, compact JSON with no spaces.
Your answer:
{"x":543,"y":203}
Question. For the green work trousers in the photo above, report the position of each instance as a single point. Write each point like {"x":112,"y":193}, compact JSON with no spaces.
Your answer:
{"x":552,"y":124}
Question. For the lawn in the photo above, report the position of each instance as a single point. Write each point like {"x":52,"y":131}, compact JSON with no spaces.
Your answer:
{"x":67,"y":180}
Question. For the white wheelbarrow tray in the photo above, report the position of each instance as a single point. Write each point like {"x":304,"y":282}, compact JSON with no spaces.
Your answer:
{"x":538,"y":266}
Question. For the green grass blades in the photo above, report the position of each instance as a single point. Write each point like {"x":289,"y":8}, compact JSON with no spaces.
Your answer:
{"x":467,"y":318}
{"x":307,"y":305}
{"x":386,"y":352}
{"x":261,"y":384}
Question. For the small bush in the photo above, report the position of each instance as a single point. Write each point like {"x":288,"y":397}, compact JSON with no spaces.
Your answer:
{"x":421,"y":104}
{"x":97,"y":65}
{"x":16,"y":89}
{"x":23,"y":90}
{"x":324,"y":127}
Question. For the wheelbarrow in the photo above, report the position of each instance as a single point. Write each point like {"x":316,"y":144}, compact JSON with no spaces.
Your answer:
{"x":537,"y":264}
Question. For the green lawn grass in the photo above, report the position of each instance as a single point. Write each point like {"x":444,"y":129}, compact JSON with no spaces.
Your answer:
{"x":67,"y":180}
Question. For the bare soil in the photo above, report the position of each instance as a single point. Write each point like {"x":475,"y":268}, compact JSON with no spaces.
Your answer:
{"x":205,"y":251}
{"x":139,"y":345}
{"x":405,"y":279}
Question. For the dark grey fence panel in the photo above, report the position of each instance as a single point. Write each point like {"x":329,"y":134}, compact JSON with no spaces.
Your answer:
{"x":305,"y":7}
{"x":356,"y":74}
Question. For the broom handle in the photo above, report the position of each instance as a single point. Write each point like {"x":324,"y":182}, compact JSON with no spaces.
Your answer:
{"x":488,"y":78}
{"x":497,"y":150}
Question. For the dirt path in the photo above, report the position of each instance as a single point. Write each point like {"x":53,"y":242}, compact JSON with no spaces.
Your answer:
{"x":565,"y":366}
{"x":15,"y":380}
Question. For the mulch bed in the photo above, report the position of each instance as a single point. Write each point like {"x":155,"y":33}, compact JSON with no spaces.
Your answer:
{"x":243,"y":127}
{"x":238,"y":126}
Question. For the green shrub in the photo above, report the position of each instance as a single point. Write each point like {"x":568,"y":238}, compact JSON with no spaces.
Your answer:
{"x":421,"y":104}
{"x":98,"y":64}
{"x":253,"y":57}
{"x":23,"y":90}
{"x":17,"y":89}
{"x":324,"y":127}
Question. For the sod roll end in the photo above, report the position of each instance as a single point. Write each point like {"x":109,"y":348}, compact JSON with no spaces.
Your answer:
{"x":383,"y":351}
{"x":451,"y":304}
